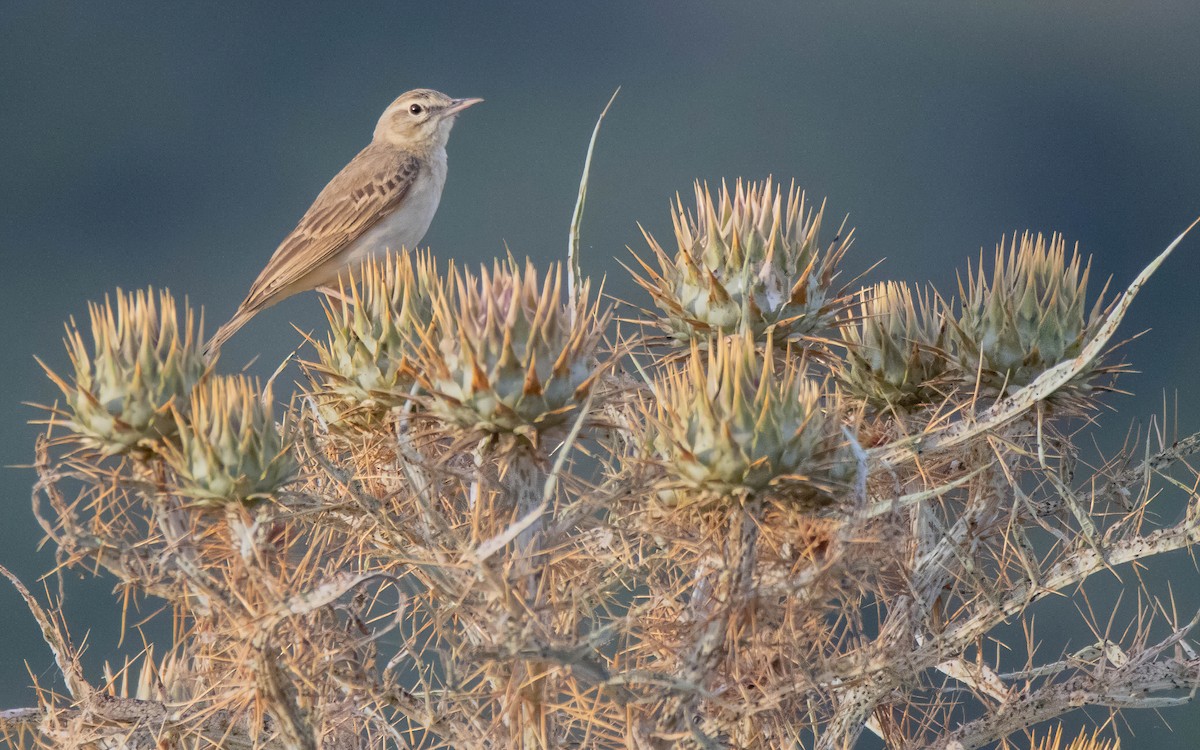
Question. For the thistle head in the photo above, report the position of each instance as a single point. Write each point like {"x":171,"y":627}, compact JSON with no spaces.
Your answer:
{"x":733,"y":420}
{"x":748,"y":262}
{"x":139,"y":366}
{"x":365,"y":365}
{"x":230,"y":448}
{"x":1053,"y":739}
{"x":896,"y":349}
{"x":506,"y":354}
{"x":1029,"y":316}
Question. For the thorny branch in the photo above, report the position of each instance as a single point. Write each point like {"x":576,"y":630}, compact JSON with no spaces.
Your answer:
{"x":474,"y":530}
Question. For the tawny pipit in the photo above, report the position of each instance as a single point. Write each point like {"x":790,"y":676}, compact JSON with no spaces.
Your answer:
{"x":383,"y":200}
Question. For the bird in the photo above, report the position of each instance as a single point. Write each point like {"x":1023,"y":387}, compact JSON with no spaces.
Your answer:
{"x":382,"y":201}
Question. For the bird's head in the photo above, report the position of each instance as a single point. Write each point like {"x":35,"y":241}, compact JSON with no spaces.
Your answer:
{"x":420,"y":119}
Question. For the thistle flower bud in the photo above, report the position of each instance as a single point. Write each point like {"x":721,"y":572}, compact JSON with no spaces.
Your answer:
{"x":230,"y":448}
{"x":746,"y":263}
{"x":1052,"y":739}
{"x":140,"y":366}
{"x":896,"y":349}
{"x":371,"y":335}
{"x":1029,"y":317}
{"x":506,"y":354}
{"x":734,"y":420}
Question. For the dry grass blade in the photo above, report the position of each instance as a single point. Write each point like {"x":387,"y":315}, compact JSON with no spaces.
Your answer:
{"x":574,"y":264}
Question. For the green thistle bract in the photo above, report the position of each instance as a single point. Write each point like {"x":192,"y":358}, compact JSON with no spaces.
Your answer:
{"x":896,"y":350}
{"x":732,"y":420}
{"x":1029,"y":317}
{"x":230,"y":449}
{"x":139,"y":367}
{"x":506,"y":354}
{"x":365,"y":363}
{"x":746,"y":263}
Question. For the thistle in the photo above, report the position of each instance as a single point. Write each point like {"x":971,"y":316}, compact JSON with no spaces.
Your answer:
{"x":365,"y":363}
{"x":746,"y":263}
{"x":733,"y":420}
{"x":139,"y":368}
{"x":1029,"y":317}
{"x":896,"y":351}
{"x":1053,"y":739}
{"x":505,"y":354}
{"x":230,"y":448}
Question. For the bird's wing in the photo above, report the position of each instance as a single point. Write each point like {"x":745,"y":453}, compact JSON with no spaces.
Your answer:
{"x":369,"y":188}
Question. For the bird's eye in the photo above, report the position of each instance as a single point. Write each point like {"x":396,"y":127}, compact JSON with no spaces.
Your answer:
{"x":416,"y":109}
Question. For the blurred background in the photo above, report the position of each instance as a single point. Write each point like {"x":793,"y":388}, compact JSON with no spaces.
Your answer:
{"x":175,"y":145}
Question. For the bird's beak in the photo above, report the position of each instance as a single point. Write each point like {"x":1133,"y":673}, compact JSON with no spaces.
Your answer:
{"x":458,"y":105}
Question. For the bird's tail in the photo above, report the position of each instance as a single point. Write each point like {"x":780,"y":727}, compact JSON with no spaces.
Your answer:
{"x":213,"y":348}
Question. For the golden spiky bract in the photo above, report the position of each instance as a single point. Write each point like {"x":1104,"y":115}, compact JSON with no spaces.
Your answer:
{"x":507,"y":354}
{"x":908,"y":351}
{"x":1053,"y":740}
{"x":896,"y":347}
{"x":750,"y":261}
{"x":733,"y":420}
{"x":230,"y":447}
{"x":1029,"y":316}
{"x":364,"y":367}
{"x":140,"y":365}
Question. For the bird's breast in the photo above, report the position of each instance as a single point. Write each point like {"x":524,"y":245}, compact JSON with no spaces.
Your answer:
{"x":406,"y":225}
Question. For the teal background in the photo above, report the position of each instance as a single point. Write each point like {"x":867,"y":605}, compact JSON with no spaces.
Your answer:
{"x":175,"y":145}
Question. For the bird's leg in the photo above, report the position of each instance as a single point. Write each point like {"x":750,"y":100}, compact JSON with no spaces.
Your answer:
{"x":338,"y":294}
{"x":337,"y":297}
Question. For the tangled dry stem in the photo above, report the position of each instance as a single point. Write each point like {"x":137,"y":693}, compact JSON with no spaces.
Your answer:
{"x":421,"y":587}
